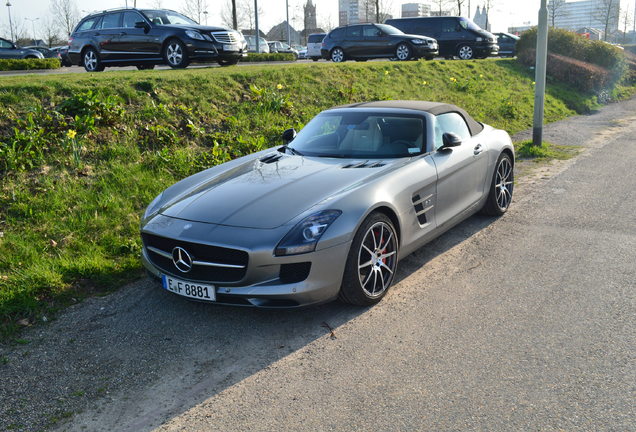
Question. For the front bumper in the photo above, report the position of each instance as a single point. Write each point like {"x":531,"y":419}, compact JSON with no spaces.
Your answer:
{"x":264,"y":283}
{"x":199,"y":50}
{"x":487,"y":50}
{"x":427,"y":51}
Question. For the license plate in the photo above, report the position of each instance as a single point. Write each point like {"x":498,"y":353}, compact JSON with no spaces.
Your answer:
{"x":230,"y":48}
{"x":189,"y":289}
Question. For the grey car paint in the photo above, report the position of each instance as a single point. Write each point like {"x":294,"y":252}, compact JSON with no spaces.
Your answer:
{"x":8,"y":50}
{"x":250,"y":205}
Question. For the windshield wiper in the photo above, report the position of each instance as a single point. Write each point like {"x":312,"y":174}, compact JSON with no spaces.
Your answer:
{"x":290,"y":150}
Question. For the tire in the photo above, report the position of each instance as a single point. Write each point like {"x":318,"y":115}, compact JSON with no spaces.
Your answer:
{"x":175,"y":54}
{"x":146,"y":67}
{"x":465,"y":52}
{"x":228,"y":62}
{"x":403,"y":51}
{"x":361,"y":60}
{"x":501,"y":187}
{"x":337,"y":55}
{"x":428,"y":58}
{"x":371,"y":263}
{"x":315,"y":58}
{"x":91,"y":60}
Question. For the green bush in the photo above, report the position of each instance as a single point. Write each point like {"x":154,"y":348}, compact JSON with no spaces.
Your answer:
{"x":570,"y":44}
{"x":268,"y":57}
{"x":28,"y":64}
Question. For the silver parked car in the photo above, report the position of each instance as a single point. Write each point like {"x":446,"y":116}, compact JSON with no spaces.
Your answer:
{"x":9,"y":50}
{"x":330,"y":213}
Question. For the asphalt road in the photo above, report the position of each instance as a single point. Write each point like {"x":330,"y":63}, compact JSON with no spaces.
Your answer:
{"x":526,"y":322}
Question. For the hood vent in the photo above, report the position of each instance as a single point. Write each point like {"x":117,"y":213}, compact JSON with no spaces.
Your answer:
{"x":271,"y":158}
{"x":365,"y":164}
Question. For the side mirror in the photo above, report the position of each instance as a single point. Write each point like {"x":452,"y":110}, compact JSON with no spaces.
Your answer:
{"x":289,"y":135}
{"x":142,"y":25}
{"x":450,"y":139}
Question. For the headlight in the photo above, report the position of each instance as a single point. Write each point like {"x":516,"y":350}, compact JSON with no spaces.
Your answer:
{"x":194,"y":35}
{"x":305,"y":235}
{"x":479,"y":39}
{"x":153,"y":207}
{"x":418,"y":41}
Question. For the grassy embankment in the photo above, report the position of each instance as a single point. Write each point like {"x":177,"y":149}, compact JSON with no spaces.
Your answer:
{"x":82,"y":155}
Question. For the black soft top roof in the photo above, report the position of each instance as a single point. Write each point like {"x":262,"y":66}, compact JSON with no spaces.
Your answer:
{"x":435,"y":108}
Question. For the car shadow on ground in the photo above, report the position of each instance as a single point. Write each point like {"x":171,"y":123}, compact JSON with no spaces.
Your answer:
{"x":140,"y":356}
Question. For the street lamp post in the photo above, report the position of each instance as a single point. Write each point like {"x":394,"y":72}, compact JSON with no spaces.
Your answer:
{"x":205,"y":14}
{"x":288,"y":27}
{"x":258,"y":37}
{"x":10,"y":22}
{"x":539,"y":77}
{"x":33,"y":20}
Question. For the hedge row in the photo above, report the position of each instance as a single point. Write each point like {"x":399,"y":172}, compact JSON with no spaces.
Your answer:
{"x":584,"y":76}
{"x":28,"y":64}
{"x":268,"y":57}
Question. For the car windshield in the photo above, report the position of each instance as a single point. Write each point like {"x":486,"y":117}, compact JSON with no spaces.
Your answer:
{"x":469,"y":24}
{"x":388,"y":29}
{"x":361,"y":134}
{"x":165,"y":17}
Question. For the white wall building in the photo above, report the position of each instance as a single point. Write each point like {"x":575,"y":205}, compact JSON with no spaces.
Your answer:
{"x":577,"y":14}
{"x":351,"y":12}
{"x":415,"y":10}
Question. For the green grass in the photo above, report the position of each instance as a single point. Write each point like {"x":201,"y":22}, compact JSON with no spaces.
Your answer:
{"x":29,"y":64}
{"x":81,"y":155}
{"x":546,"y":151}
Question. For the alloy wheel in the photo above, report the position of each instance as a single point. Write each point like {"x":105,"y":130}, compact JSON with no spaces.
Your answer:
{"x":465,"y":53}
{"x":174,"y":53}
{"x":337,"y":55}
{"x":504,"y":183}
{"x":377,"y":259}
{"x":403,"y":52}
{"x":90,"y":60}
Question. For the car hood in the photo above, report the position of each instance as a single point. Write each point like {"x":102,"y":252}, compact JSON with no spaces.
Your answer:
{"x":264,"y":195}
{"x":412,"y":36}
{"x":200,"y":28}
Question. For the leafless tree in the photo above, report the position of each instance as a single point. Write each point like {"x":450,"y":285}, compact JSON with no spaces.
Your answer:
{"x":50,"y":32}
{"x":440,"y":6}
{"x":488,"y":5}
{"x":194,"y":9}
{"x":608,"y":14}
{"x":156,"y":4}
{"x":459,"y":4}
{"x":556,"y":9}
{"x":228,"y":17}
{"x":627,"y":18}
{"x":248,"y":7}
{"x":66,"y":14}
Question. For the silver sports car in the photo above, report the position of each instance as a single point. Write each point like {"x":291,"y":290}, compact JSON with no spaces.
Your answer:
{"x":331,"y":212}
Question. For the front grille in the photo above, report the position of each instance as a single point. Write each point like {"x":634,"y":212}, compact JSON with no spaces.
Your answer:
{"x":198,"y":252}
{"x":293,"y":273}
{"x":226,"y":37}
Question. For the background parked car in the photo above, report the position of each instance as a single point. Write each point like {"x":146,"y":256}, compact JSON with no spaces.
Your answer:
{"x":146,"y":37}
{"x":302,"y":53}
{"x":365,"y":41}
{"x":282,"y":47}
{"x":63,"y":52}
{"x":457,"y":36}
{"x":314,"y":44}
{"x":507,"y":44}
{"x":46,"y":52}
{"x":9,"y":50}
{"x":251,"y":44}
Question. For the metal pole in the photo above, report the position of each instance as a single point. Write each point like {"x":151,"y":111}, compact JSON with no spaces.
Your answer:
{"x":258,"y":36}
{"x":10,"y":22}
{"x":288,"y":29}
{"x":33,"y":20}
{"x":539,"y":79}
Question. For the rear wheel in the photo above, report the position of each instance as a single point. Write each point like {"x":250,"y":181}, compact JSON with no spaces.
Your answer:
{"x":337,"y":55}
{"x":371,"y":263}
{"x":315,"y":58}
{"x":91,"y":60}
{"x":501,"y":187}
{"x":175,"y":54}
{"x":403,"y":52}
{"x":465,"y":52}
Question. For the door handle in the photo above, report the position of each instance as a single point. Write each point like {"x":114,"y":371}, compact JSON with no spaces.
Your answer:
{"x":478,"y":149}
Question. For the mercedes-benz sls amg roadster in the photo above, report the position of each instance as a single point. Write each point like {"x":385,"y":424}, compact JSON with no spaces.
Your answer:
{"x":330,"y":213}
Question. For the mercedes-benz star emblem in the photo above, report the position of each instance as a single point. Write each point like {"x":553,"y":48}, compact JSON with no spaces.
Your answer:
{"x":181,"y":259}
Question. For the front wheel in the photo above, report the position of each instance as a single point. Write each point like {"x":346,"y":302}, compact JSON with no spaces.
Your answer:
{"x":92,"y":62}
{"x":465,"y":52}
{"x":403,"y":52}
{"x":371,"y":263}
{"x":315,"y":58}
{"x":501,"y":187}
{"x":337,"y":55}
{"x":175,"y":54}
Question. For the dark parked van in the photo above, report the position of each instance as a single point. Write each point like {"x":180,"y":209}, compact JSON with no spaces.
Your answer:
{"x":456,"y":36}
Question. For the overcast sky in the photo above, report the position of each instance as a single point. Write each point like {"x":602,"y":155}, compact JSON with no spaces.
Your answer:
{"x":506,"y":12}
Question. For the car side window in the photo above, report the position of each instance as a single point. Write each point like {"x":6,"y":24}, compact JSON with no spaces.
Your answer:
{"x":337,"y":34}
{"x":450,"y":26}
{"x":450,"y":122}
{"x":130,"y":18}
{"x":87,"y":24}
{"x":354,"y":32}
{"x":111,"y":21}
{"x":370,"y":31}
{"x":5,"y":45}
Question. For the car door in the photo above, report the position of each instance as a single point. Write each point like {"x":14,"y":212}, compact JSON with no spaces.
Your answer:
{"x":451,"y":36}
{"x":135,"y":43}
{"x":376,"y":42}
{"x":8,"y":50}
{"x":461,"y":170}
{"x":353,"y":43}
{"x":107,"y":35}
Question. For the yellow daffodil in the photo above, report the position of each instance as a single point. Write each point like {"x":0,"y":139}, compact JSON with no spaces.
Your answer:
{"x":386,"y":72}
{"x":534,"y":83}
{"x":279,"y":86}
{"x":424,"y":83}
{"x":71,"y":133}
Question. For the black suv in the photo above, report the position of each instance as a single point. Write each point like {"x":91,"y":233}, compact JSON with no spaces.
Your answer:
{"x":148,"y":37}
{"x":365,"y":41}
{"x":457,"y":36}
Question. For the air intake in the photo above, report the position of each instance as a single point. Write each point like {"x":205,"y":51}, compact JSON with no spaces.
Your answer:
{"x":365,"y":164}
{"x":271,"y":158}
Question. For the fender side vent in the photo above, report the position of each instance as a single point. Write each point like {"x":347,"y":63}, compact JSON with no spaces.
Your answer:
{"x":271,"y":158}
